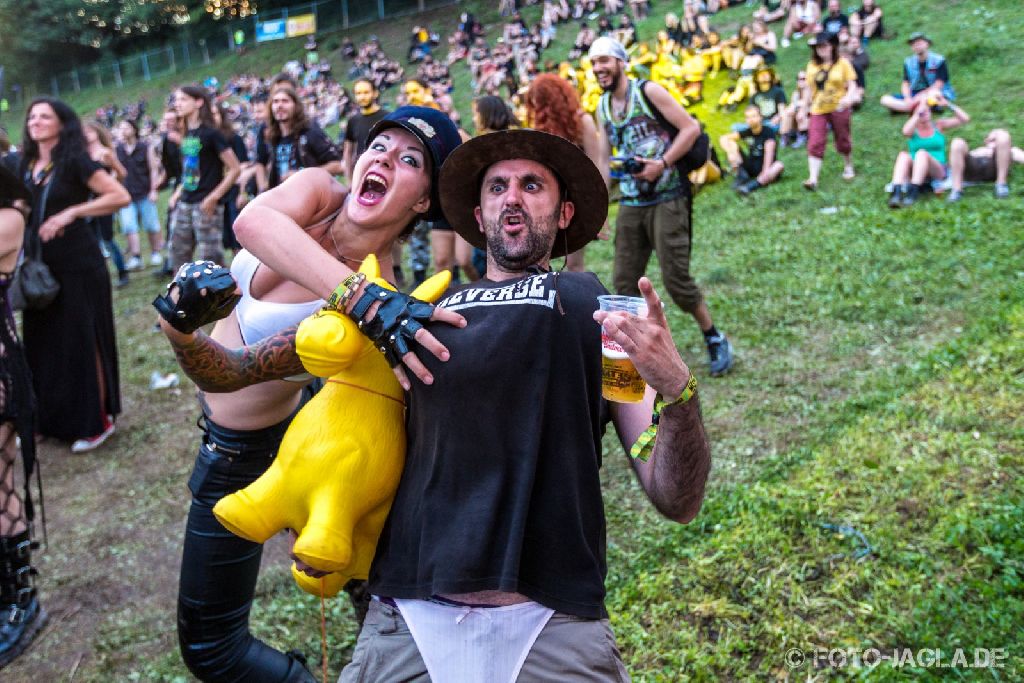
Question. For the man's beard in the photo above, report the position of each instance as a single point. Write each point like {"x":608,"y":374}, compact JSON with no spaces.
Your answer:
{"x":616,"y":77}
{"x":532,"y":248}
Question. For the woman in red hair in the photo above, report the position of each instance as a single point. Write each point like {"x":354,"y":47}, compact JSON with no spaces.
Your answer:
{"x":553,"y":106}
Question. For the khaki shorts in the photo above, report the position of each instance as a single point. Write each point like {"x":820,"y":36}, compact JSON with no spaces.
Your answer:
{"x":568,"y":649}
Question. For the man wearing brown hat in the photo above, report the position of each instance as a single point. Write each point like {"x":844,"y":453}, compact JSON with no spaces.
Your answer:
{"x":491,"y":566}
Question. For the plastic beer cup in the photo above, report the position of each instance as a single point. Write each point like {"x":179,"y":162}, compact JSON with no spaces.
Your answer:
{"x":620,"y":381}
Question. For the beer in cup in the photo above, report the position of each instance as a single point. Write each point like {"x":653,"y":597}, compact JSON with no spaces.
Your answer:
{"x":620,"y":381}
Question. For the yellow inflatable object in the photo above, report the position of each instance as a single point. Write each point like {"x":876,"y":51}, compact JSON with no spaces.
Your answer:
{"x":693,"y":69}
{"x":340,"y":461}
{"x":590,"y":95}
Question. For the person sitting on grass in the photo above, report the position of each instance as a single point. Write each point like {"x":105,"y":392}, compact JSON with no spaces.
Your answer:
{"x":925,"y":75}
{"x":796,"y":115}
{"x":835,"y":21}
{"x":989,"y":163}
{"x":769,"y":96}
{"x":866,"y":23}
{"x":773,"y":10}
{"x":804,"y":19}
{"x":851,"y":47}
{"x":765,"y":42}
{"x":758,"y":166}
{"x":924,"y":160}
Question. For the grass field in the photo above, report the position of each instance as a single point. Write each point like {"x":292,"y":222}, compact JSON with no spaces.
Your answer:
{"x":868,"y":480}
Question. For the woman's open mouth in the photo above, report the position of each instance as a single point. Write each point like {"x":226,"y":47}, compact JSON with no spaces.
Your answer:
{"x":373,"y":189}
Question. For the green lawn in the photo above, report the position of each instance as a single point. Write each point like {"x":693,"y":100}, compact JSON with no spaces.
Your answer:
{"x":878,"y":388}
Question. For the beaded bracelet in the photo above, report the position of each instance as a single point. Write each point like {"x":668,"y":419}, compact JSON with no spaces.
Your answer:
{"x":645,"y":442}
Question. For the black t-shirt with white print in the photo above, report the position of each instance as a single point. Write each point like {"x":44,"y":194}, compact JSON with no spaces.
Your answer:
{"x":501,"y":487}
{"x":293,"y":152}
{"x":201,"y":167}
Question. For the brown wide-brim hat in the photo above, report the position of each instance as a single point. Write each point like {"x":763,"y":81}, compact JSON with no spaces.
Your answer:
{"x":582,"y":183}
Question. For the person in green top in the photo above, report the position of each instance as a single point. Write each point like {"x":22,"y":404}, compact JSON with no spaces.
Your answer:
{"x":924,"y":160}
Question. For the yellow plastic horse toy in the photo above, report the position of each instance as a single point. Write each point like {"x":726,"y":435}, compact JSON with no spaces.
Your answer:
{"x":340,"y":461}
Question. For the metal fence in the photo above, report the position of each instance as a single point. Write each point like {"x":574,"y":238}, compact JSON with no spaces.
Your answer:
{"x":214,"y":39}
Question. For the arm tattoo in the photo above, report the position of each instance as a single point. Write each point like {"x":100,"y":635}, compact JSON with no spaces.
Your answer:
{"x":217,"y":369}
{"x":682,"y":461}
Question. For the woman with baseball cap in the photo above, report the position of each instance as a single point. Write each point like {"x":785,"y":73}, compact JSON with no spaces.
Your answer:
{"x":304,"y":238}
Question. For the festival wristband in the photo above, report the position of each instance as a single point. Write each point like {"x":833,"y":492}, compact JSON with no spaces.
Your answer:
{"x":343,"y":293}
{"x":645,"y":442}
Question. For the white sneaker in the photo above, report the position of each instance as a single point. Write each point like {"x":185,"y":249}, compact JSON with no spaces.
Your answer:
{"x":156,"y":259}
{"x":785,"y":42}
{"x":133,"y":263}
{"x":93,"y":442}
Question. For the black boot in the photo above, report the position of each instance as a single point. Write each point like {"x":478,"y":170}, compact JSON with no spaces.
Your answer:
{"x":21,"y":615}
{"x":896,"y":198}
{"x":910,"y":194}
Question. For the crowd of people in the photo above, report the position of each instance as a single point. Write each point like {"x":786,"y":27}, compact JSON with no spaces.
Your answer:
{"x":248,"y":163}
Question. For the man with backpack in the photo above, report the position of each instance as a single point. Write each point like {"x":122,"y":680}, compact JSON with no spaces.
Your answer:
{"x":657,"y":144}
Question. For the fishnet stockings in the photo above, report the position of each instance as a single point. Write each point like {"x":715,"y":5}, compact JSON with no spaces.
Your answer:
{"x":12,"y":512}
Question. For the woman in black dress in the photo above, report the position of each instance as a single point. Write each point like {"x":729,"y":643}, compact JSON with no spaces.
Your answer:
{"x":21,"y":616}
{"x":70,"y":344}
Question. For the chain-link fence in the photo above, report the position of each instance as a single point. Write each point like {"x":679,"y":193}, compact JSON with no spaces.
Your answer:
{"x":213,"y":39}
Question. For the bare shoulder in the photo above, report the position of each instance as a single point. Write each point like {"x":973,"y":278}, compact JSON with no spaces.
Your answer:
{"x":307,"y":197}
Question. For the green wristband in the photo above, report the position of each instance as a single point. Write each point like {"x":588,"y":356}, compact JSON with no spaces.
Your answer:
{"x":645,"y":442}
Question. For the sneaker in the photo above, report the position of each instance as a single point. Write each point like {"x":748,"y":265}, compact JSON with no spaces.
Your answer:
{"x":800,"y":141}
{"x":720,"y":355}
{"x":93,"y":442}
{"x":798,"y":35}
{"x":156,"y":259}
{"x":954,"y":196}
{"x":122,"y":281}
{"x":785,"y":42}
{"x":133,"y":263}
{"x":1002,"y":191}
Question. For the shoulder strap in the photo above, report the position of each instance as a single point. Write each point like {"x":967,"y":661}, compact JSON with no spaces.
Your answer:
{"x":699,"y":153}
{"x":641,"y":85}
